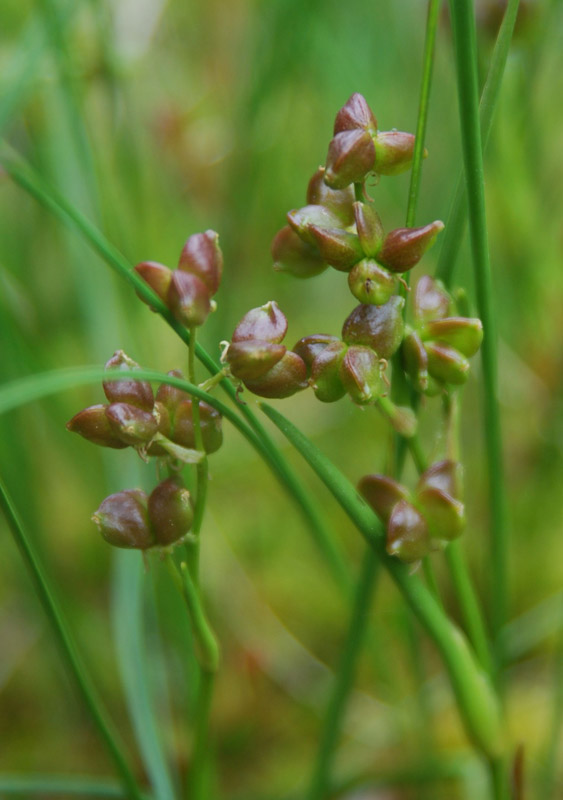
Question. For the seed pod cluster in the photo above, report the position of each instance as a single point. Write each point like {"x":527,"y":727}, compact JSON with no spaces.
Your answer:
{"x":188,"y":289}
{"x":417,"y":522}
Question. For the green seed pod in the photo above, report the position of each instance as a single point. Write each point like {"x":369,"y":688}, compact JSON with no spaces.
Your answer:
{"x":394,"y":152}
{"x":355,"y":114}
{"x":446,"y":364}
{"x":157,"y":276}
{"x":285,"y":378}
{"x":431,"y":300}
{"x":310,"y":347}
{"x":382,"y":494}
{"x":170,"y":511}
{"x":350,"y":158}
{"x":136,"y":393}
{"x":462,"y":333}
{"x":188,"y":298}
{"x":404,"y":247}
{"x":415,"y":360}
{"x":337,"y":247}
{"x":202,"y":256}
{"x":371,"y":283}
{"x":252,"y":359}
{"x":131,"y":424}
{"x":339,"y":202}
{"x":210,"y":424}
{"x":370,"y":229}
{"x":92,"y":424}
{"x":360,"y":373}
{"x":378,"y":327}
{"x":123,"y":520}
{"x":445,"y":475}
{"x":444,"y":515}
{"x":301,"y":220}
{"x":294,"y":256}
{"x":325,"y":372}
{"x":407,"y":533}
{"x":266,"y":323}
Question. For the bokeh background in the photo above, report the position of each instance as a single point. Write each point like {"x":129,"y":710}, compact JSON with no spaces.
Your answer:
{"x":159,"y":119}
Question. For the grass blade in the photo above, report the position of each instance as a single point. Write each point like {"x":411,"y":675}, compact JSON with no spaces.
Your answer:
{"x":59,"y":786}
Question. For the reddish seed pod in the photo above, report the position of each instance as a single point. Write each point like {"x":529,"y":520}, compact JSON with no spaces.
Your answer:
{"x":370,"y":229}
{"x":131,"y":424}
{"x":302,"y":219}
{"x":210,"y":422}
{"x":360,"y":373}
{"x":350,"y":158}
{"x":445,"y":475}
{"x":188,"y":298}
{"x":170,"y":511}
{"x":394,"y":152}
{"x":294,"y":256}
{"x":252,"y":359}
{"x":309,"y":347}
{"x":325,"y":372}
{"x":355,"y":114}
{"x":407,"y":533}
{"x":171,"y":396}
{"x":266,"y":323}
{"x":415,"y":361}
{"x":382,"y":494}
{"x":378,"y":327}
{"x":337,"y":247}
{"x":92,"y":424}
{"x":136,"y":393}
{"x":285,"y":378}
{"x":404,"y":247}
{"x":202,"y":256}
{"x":339,"y":202}
{"x":123,"y":520}
{"x":157,"y":276}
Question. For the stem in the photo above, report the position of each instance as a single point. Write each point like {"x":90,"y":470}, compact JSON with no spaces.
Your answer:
{"x":549,"y":772}
{"x":344,"y":682}
{"x":498,"y":771}
{"x":466,"y":60}
{"x":202,"y":472}
{"x":431,"y":581}
{"x":67,"y":647}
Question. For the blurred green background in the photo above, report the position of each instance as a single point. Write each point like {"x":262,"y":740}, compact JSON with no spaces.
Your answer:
{"x":159,"y":119}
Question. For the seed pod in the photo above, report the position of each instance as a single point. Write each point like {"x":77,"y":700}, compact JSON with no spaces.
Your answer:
{"x":407,"y":533}
{"x":266,"y":323}
{"x":462,"y":333}
{"x":188,"y":298}
{"x":339,"y":202}
{"x":92,"y":424}
{"x":431,"y":300}
{"x":170,"y":511}
{"x":210,"y":424}
{"x":444,"y":515}
{"x":157,"y":276}
{"x":370,"y":283}
{"x":378,"y":327}
{"x":171,"y":396}
{"x":294,"y":256}
{"x":202,"y":256}
{"x":325,"y":372}
{"x":355,"y":114}
{"x":252,"y":359}
{"x":445,"y":475}
{"x":382,"y":494}
{"x":369,"y":227}
{"x":446,"y":364}
{"x":351,"y":156}
{"x":131,"y":424}
{"x":136,"y":393}
{"x":415,"y":361}
{"x":360,"y":373}
{"x":337,"y":247}
{"x":310,"y":347}
{"x":123,"y":520}
{"x":394,"y":152}
{"x":404,"y":247}
{"x":284,"y":379}
{"x":164,"y":428}
{"x":302,"y":219}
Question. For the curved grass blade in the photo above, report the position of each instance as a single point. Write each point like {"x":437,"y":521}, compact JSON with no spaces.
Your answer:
{"x":60,"y":786}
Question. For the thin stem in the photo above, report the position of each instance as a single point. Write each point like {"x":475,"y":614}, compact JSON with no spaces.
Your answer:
{"x":431,"y":581}
{"x":67,"y":647}
{"x":344,"y":681}
{"x":498,"y":772}
{"x":463,"y":22}
{"x":60,"y":786}
{"x":202,"y":472}
{"x":549,"y":772}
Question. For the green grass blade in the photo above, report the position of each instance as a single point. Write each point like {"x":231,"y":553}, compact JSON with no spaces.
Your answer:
{"x":59,"y":786}
{"x":67,"y":647}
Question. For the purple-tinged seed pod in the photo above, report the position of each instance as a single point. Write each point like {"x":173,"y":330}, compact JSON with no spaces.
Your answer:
{"x":394,"y":152}
{"x":431,"y":300}
{"x":123,"y":520}
{"x":202,"y":256}
{"x":266,"y":323}
{"x":157,"y":276}
{"x":446,"y":364}
{"x":188,"y":298}
{"x":415,"y":361}
{"x":350,"y":158}
{"x":370,"y":229}
{"x":302,"y":219}
{"x":164,"y":428}
{"x":171,"y":396}
{"x":309,"y":347}
{"x":131,"y":424}
{"x":93,"y":425}
{"x":407,"y":533}
{"x":378,"y":327}
{"x":370,"y":283}
{"x":285,"y":378}
{"x":382,"y":494}
{"x":136,"y":393}
{"x":445,"y":475}
{"x":404,"y":247}
{"x":294,"y":256}
{"x":337,"y":247}
{"x":355,"y":114}
{"x":360,"y":373}
{"x":462,"y":333}
{"x":170,"y":511}
{"x":210,"y":423}
{"x":444,"y":515}
{"x":338,"y":201}
{"x":252,"y":359}
{"x":325,"y":372}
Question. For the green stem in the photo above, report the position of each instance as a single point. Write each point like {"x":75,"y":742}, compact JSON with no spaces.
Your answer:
{"x":60,"y":786}
{"x":67,"y":647}
{"x":466,"y":61}
{"x":344,"y":681}
{"x":549,"y":772}
{"x":431,"y":581}
{"x":202,"y":471}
